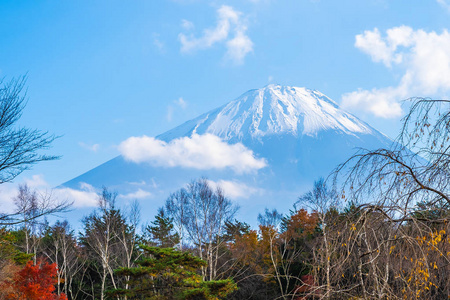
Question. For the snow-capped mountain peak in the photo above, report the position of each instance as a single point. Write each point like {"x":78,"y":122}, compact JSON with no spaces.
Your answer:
{"x":273,"y":110}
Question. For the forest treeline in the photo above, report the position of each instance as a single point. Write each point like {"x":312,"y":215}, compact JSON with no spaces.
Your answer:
{"x":194,"y":248}
{"x":376,"y":228}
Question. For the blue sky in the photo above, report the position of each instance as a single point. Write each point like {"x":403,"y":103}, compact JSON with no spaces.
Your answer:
{"x":100,"y":72}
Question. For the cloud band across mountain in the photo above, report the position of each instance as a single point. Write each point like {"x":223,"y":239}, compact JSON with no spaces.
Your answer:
{"x":202,"y":152}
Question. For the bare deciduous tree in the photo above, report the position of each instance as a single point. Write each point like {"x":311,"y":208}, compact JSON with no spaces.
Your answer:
{"x":414,"y":169}
{"x":128,"y":239}
{"x":176,"y":208}
{"x":110,"y":239}
{"x":20,"y":149}
{"x":60,"y":247}
{"x":30,"y":207}
{"x":100,"y":235}
{"x":201,"y":213}
{"x":18,"y":146}
{"x":397,"y":239}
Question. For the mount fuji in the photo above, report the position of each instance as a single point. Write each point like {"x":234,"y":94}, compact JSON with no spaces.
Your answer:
{"x":264,"y":149}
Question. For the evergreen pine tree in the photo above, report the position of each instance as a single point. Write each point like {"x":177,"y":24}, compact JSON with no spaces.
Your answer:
{"x":161,"y":233}
{"x":165,"y":273}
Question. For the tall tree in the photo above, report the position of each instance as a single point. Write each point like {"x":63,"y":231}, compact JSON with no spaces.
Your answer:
{"x":202,"y":213}
{"x":27,"y":203}
{"x":59,"y":246}
{"x":161,"y":232}
{"x":128,"y":238}
{"x":322,"y":200}
{"x":109,"y":238}
{"x":103,"y":237}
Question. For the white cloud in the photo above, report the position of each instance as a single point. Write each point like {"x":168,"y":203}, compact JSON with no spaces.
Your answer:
{"x":8,"y":191}
{"x":93,"y":147}
{"x":139,"y":194}
{"x":422,"y":57}
{"x":187,"y":25}
{"x":230,"y":29}
{"x":36,"y":181}
{"x":85,"y":197}
{"x":152,"y":183}
{"x":199,"y":152}
{"x":260,"y":1}
{"x":239,"y":47}
{"x":158,"y":44}
{"x":138,"y":183}
{"x":235,"y":189}
{"x":379,"y":49}
{"x":445,"y":4}
{"x":381,"y":103}
{"x":180,"y":102}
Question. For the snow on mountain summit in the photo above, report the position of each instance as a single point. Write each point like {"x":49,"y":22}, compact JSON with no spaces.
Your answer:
{"x":273,"y":110}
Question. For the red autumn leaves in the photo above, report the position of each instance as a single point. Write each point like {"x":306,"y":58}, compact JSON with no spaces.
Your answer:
{"x":35,"y":282}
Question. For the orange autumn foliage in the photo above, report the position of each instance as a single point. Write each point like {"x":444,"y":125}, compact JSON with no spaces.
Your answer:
{"x":260,"y":250}
{"x":301,"y":224}
{"x":35,"y":282}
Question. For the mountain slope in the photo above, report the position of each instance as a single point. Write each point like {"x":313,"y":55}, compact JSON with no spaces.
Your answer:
{"x":299,"y":133}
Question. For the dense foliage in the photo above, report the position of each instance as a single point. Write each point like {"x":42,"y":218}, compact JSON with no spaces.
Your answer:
{"x":165,"y":273}
{"x":35,"y":282}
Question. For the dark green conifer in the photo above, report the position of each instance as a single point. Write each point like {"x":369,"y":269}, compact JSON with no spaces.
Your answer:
{"x":161,"y":233}
{"x":165,"y":273}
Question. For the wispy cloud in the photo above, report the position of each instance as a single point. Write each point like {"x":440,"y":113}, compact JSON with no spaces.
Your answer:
{"x":93,"y":147}
{"x":36,"y":181}
{"x":187,"y":25}
{"x":86,"y":196}
{"x":158,"y":43}
{"x":262,"y":1}
{"x":118,"y":121}
{"x":423,"y":58}
{"x":8,"y":191}
{"x":139,"y":194}
{"x":180,"y":102}
{"x":445,"y":4}
{"x":169,"y":114}
{"x":235,"y":189}
{"x":198,"y":152}
{"x":230,"y":30}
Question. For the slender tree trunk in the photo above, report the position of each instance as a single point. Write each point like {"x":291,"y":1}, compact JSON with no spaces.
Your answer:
{"x":328,"y":260}
{"x":102,"y":295}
